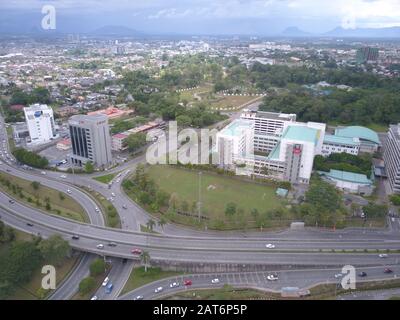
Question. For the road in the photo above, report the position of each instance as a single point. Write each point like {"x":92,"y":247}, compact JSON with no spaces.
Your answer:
{"x":302,"y":279}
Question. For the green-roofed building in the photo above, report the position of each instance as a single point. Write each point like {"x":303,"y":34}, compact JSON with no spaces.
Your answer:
{"x":349,"y":181}
{"x":369,"y":139}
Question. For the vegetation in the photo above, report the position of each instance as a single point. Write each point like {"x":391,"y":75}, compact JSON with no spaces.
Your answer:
{"x":106,"y":178}
{"x":373,"y":210}
{"x":30,"y":158}
{"x":97,"y":267}
{"x":344,"y":162}
{"x":179,"y":201}
{"x":42,"y":197}
{"x":89,"y":168}
{"x":135,"y":141}
{"x":395,"y":199}
{"x":20,"y":259}
{"x":87,"y":285}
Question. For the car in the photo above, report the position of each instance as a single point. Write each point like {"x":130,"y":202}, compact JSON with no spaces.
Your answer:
{"x":136,"y":251}
{"x":362,"y":274}
{"x":338,"y":275}
{"x":94,"y":298}
{"x":113,"y":194}
{"x":174,"y":285}
{"x":125,"y":206}
{"x":106,"y":281}
{"x":109,"y":288}
{"x":272,"y":277}
{"x":100,"y":246}
{"x":112,"y":244}
{"x":387,"y":270}
{"x":138,"y":298}
{"x":29,"y":224}
{"x":43,"y":172}
{"x":383,"y":255}
{"x":11,"y":201}
{"x":63,"y":176}
{"x":97,"y":209}
{"x":159,"y":289}
{"x":124,"y":260}
{"x":75,"y":237}
{"x":187,"y":282}
{"x":69,"y":191}
{"x":270,"y":246}
{"x":215,"y":281}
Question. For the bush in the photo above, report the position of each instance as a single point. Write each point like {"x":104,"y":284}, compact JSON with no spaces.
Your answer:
{"x":86,"y":285}
{"x":395,"y":199}
{"x":30,"y":158}
{"x":97,"y":267}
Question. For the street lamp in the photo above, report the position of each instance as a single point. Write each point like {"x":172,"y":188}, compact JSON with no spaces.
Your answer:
{"x":200,"y":173}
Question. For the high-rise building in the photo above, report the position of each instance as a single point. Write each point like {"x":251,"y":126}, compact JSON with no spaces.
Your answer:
{"x":40,"y":121}
{"x":392,"y":157}
{"x":90,"y":139}
{"x":367,"y":54}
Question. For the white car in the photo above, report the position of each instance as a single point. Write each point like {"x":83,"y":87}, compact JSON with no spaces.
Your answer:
{"x":174,"y":285}
{"x":63,"y":176}
{"x":105,"y":282}
{"x":100,"y":246}
{"x":113,"y":194}
{"x":94,"y":298}
{"x":43,"y":172}
{"x":215,"y":281}
{"x":272,"y":277}
{"x":96,"y":209}
{"x":270,"y":246}
{"x":69,"y":191}
{"x":159,"y":289}
{"x":138,"y":298}
{"x":338,"y":275}
{"x":383,"y":255}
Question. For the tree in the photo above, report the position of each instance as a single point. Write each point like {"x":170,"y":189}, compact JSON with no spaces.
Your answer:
{"x":89,"y":168}
{"x":395,"y":199}
{"x":184,"y":120}
{"x":150,"y":224}
{"x":145,"y":259}
{"x":97,"y":267}
{"x":54,"y":249}
{"x":230,"y":209}
{"x":86,"y":285}
{"x":35,"y":185}
{"x":162,"y":222}
{"x":135,"y":141}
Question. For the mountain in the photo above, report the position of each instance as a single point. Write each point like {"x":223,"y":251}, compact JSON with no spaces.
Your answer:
{"x":117,"y":31}
{"x":392,"y":32}
{"x":295,"y":32}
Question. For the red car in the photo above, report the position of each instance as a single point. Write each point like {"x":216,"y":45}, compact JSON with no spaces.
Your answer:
{"x":387,"y":270}
{"x":187,"y":282}
{"x":136,"y":251}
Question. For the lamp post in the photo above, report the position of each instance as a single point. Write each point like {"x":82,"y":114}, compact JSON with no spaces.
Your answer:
{"x":200,"y":173}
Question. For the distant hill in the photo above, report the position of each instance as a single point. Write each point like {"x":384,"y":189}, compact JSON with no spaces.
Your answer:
{"x":295,"y":32}
{"x":117,"y":31}
{"x":393,"y":32}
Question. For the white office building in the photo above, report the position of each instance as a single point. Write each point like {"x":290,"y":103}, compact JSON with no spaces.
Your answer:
{"x":391,"y":157}
{"x":40,"y":121}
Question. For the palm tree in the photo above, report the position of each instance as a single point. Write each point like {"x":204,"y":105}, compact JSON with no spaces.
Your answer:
{"x":150,"y":224}
{"x":162,"y":223}
{"x":145,"y":259}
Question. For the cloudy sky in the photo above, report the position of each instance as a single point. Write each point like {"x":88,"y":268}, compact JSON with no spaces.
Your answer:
{"x":261,"y":17}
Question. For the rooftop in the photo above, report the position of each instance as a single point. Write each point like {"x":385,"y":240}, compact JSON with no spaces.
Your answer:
{"x":341,"y":140}
{"x":274,"y":155}
{"x":236,"y":128}
{"x":301,"y":133}
{"x":358,"y":132}
{"x":347,"y":176}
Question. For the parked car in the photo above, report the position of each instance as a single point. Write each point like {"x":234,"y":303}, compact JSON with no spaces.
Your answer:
{"x":105,"y":282}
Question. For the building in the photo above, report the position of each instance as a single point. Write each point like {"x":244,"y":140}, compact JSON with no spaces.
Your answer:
{"x":337,"y":144}
{"x":111,"y":112}
{"x":369,"y":140}
{"x":64,"y":144}
{"x":367,"y":54}
{"x":90,"y":139}
{"x":118,"y":142}
{"x":40,"y":121}
{"x":349,"y":181}
{"x":391,"y":157}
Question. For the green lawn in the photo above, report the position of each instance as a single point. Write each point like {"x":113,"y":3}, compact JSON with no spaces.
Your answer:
{"x":65,"y":207}
{"x":232,"y":102}
{"x":139,"y":278}
{"x":106,"y":178}
{"x":216,"y":191}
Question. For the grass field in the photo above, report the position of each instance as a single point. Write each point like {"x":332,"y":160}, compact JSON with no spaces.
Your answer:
{"x":66,"y":207}
{"x":231,"y":102}
{"x":106,"y":178}
{"x":189,"y":94}
{"x":216,"y":191}
{"x":139,"y":278}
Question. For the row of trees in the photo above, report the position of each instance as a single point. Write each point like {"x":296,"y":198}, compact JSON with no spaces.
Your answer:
{"x":344,"y":162}
{"x":21,"y":258}
{"x":30,"y":158}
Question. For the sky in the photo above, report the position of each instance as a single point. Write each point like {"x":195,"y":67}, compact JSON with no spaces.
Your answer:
{"x":257,"y":17}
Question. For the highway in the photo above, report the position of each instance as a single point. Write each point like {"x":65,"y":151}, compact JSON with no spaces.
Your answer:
{"x":302,"y":279}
